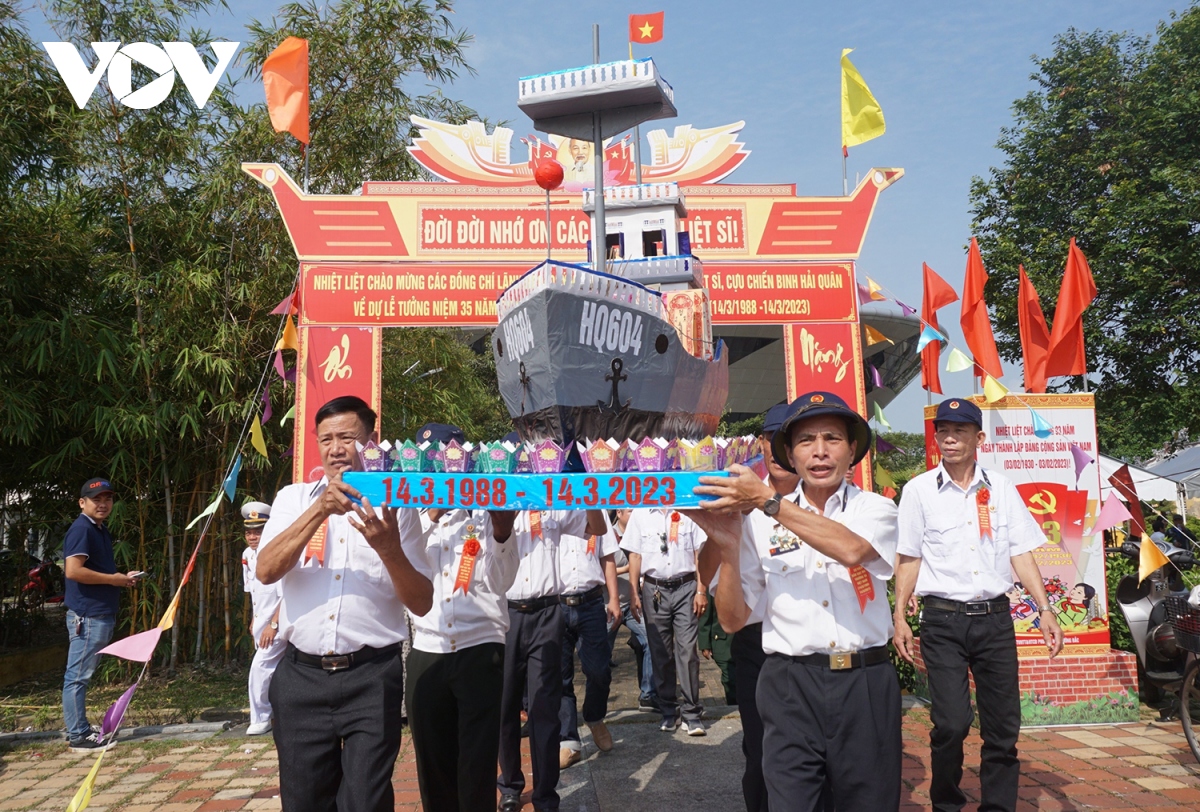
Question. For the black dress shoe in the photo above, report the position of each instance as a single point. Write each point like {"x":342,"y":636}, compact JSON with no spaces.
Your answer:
{"x":510,"y":803}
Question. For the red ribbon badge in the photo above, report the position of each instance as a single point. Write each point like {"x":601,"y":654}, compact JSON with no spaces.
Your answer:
{"x":982,"y":496}
{"x":674,"y":531}
{"x":535,"y":524}
{"x":864,"y":586}
{"x":466,"y":565}
{"x":591,"y":548}
{"x":316,"y":545}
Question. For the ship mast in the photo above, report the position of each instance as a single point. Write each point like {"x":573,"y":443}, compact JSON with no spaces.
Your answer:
{"x":599,"y":230}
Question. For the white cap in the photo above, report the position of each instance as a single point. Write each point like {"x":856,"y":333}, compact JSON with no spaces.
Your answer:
{"x":256,"y":514}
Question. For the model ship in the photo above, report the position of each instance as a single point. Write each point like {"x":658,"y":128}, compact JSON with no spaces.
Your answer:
{"x":618,"y":346}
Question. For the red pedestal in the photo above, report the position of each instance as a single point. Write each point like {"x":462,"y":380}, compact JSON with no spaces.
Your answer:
{"x":1070,"y":689}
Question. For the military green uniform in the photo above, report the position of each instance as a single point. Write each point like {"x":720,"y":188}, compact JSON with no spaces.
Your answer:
{"x":711,"y":637}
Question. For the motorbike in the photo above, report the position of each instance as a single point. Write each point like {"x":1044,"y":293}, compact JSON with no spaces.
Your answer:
{"x":45,"y":585}
{"x":1161,"y":660}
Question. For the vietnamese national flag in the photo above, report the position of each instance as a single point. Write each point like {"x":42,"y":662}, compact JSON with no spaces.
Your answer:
{"x":1035,"y":336}
{"x":936,"y":295}
{"x":645,"y":28}
{"x":285,"y":79}
{"x":1066,"y":354}
{"x":976,"y":325}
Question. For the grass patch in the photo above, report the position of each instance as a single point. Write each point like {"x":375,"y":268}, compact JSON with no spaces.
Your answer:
{"x":1116,"y":706}
{"x":161,"y":700}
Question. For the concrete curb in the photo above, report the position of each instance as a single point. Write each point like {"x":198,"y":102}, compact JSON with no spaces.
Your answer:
{"x":126,"y":734}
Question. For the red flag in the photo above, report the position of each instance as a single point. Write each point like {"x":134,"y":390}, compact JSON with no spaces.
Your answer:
{"x":1035,"y":336}
{"x":645,"y":28}
{"x":285,"y":79}
{"x":1066,"y":354}
{"x":976,"y":325}
{"x":937,"y":294}
{"x":1122,"y":480}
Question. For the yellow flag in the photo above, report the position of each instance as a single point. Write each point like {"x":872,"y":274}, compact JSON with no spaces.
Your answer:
{"x":256,"y":437}
{"x":168,"y":618}
{"x":958,"y":360}
{"x":1150,"y":558}
{"x":289,"y":341}
{"x":862,"y":117}
{"x":882,"y":478}
{"x":993,"y":390}
{"x":874,"y":336}
{"x":873,"y":288}
{"x":84,"y":795}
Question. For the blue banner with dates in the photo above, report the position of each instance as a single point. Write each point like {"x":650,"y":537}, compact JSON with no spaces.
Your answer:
{"x":576,"y":491}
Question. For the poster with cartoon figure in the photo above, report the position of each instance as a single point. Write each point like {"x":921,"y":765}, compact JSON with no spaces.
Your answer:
{"x":1061,"y":489}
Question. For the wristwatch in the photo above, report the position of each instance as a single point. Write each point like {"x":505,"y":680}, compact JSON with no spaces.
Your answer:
{"x":274,"y":625}
{"x":772,"y":506}
{"x":1043,"y":609}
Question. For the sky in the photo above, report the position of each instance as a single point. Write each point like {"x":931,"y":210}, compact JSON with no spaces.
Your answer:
{"x":946,"y":75}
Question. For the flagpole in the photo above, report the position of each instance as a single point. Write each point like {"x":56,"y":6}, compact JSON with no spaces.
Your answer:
{"x":845,"y":188}
{"x":637,"y":137}
{"x":599,"y":233}
{"x":304,"y":151}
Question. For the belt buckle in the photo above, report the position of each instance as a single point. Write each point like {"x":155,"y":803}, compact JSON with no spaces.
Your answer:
{"x":841,"y":660}
{"x":572,"y":600}
{"x":980,"y":609}
{"x":340,"y":662}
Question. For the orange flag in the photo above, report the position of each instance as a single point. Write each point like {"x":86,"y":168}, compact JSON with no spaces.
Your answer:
{"x":976,"y":325}
{"x":285,"y":78}
{"x":937,"y":294}
{"x":1066,"y":354}
{"x":645,"y":28}
{"x":1035,"y":336}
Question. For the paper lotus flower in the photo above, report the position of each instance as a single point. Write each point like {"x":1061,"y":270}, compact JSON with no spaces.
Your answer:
{"x":601,"y":457}
{"x":373,"y":459}
{"x":698,"y":456}
{"x":497,"y":458}
{"x":548,"y":457}
{"x":651,"y":454}
{"x":524,"y":466}
{"x":409,"y":457}
{"x":627,"y":456}
{"x":432,"y":458}
{"x":674,"y":451}
{"x":456,"y":457}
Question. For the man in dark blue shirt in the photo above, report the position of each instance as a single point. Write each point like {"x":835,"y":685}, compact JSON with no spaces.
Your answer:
{"x":92,"y":595}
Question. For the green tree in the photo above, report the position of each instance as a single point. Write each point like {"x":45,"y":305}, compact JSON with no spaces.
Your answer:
{"x":1104,"y":149}
{"x":139,"y":265}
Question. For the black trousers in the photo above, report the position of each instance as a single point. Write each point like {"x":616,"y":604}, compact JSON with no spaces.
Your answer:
{"x":337,"y":734}
{"x":830,"y":736}
{"x":454,"y":715}
{"x":986,"y":644}
{"x":532,"y":669}
{"x":748,"y":658}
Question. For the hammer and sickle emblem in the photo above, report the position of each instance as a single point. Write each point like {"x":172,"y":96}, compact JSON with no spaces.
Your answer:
{"x":335,"y":365}
{"x":1042,"y":502}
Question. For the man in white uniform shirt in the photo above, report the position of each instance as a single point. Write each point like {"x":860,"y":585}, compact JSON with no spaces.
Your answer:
{"x":590,"y":604}
{"x":264,"y":621}
{"x":964,"y":530}
{"x":456,"y":666}
{"x":663,"y":546}
{"x":346,"y":582}
{"x":815,"y":567}
{"x":533,"y":654}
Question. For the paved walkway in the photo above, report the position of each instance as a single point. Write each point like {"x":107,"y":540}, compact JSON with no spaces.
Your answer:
{"x":1143,"y":766}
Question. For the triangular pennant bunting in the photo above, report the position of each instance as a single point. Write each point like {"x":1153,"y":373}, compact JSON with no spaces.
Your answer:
{"x":874,"y":336}
{"x":291,"y":415}
{"x":929,"y":336}
{"x":993,"y":390}
{"x":256,"y":437}
{"x":208,"y":511}
{"x":289,"y":340}
{"x":1041,"y":426}
{"x":230,"y":483}
{"x":879,"y":417}
{"x":957,"y":360}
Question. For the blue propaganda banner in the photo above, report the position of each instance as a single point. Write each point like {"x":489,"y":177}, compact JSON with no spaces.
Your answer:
{"x":576,"y":491}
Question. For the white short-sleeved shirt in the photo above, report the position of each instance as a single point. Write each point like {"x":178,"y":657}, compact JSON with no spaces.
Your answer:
{"x":537,"y":572}
{"x":264,"y":598}
{"x":459,"y":619}
{"x":645,"y":534}
{"x":806,"y":600}
{"x":349,"y":602}
{"x":939,"y":523}
{"x":578,"y":569}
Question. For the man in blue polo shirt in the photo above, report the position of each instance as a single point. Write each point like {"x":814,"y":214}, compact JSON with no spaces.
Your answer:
{"x":92,"y":595}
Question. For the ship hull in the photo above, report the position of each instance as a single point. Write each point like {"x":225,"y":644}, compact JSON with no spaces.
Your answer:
{"x":581,"y":357}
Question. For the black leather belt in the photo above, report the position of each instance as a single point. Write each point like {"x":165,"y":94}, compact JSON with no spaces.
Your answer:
{"x":993,"y":606}
{"x":844,"y":660}
{"x":527,"y":605}
{"x":671,"y":583}
{"x":581,"y":598}
{"x":341,"y":662}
